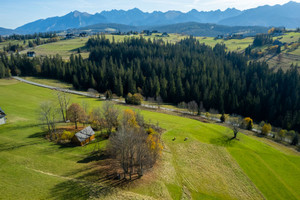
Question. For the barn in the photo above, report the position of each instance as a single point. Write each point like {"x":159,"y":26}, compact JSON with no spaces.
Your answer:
{"x":2,"y":117}
{"x":84,"y":136}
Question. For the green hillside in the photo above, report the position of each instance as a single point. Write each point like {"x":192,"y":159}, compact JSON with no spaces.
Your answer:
{"x":206,"y":166}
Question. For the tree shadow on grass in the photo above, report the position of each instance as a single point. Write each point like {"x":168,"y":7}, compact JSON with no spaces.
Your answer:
{"x":224,"y":141}
{"x":41,"y":134}
{"x":20,"y":127}
{"x":13,"y":146}
{"x":93,"y":157}
{"x":96,"y":180}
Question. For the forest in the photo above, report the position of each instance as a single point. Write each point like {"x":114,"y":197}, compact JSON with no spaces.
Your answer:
{"x":184,"y":71}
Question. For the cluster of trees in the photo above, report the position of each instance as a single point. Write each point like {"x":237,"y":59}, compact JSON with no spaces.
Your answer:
{"x":4,"y":68}
{"x":262,"y":39}
{"x":135,"y":99}
{"x":263,"y":129}
{"x":49,"y":113}
{"x":134,"y":144}
{"x":135,"y":148}
{"x":13,"y":48}
{"x":38,"y":41}
{"x":186,"y":71}
{"x":259,"y":41}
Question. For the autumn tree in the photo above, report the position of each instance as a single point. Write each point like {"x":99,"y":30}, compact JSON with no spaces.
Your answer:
{"x":266,"y":129}
{"x":155,"y":147}
{"x":134,"y":148}
{"x":129,"y":118}
{"x":96,"y":119}
{"x":75,"y":113}
{"x":247,"y":123}
{"x":135,"y":99}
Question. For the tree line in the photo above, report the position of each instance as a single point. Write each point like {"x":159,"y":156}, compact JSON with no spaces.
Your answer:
{"x":182,"y":72}
{"x":28,"y":36}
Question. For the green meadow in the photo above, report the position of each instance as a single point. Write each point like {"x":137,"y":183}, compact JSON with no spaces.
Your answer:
{"x":207,"y":166}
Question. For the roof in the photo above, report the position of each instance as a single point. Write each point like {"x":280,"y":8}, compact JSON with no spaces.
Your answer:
{"x":2,"y":112}
{"x":85,"y":134}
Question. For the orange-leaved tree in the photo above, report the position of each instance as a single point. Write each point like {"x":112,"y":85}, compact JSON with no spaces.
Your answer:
{"x":154,"y":144}
{"x":75,"y":113}
{"x":129,"y":118}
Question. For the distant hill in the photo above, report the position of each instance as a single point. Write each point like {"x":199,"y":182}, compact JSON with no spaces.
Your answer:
{"x":4,"y":31}
{"x":110,"y":27}
{"x":286,"y":15}
{"x":209,"y":30}
{"x":188,"y":28}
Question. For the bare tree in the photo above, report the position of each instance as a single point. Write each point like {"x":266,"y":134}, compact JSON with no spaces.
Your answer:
{"x":63,"y":101}
{"x":85,"y":106}
{"x":192,"y":107}
{"x":235,"y":122}
{"x":140,"y":119}
{"x":110,"y":114}
{"x":201,"y":108}
{"x":134,"y":148}
{"x":159,"y":101}
{"x":151,"y":100}
{"x":93,"y":92}
{"x":48,"y":115}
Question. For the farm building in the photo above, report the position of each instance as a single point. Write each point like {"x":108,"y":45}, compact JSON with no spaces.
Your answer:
{"x":30,"y":54}
{"x":84,"y":136}
{"x":2,"y":117}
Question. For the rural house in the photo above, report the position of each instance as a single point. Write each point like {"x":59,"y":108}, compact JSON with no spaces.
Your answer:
{"x":30,"y":54}
{"x":84,"y":136}
{"x":2,"y":117}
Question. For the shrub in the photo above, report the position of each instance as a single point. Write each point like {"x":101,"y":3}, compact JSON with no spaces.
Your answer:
{"x":247,"y":123}
{"x":266,"y":129}
{"x":135,"y":99}
{"x":281,"y":134}
{"x":66,"y":135}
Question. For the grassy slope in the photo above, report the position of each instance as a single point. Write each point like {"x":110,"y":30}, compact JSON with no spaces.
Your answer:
{"x":207,"y":166}
{"x":64,"y":48}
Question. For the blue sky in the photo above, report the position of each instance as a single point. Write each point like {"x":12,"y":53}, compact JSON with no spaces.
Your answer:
{"x":15,"y":13}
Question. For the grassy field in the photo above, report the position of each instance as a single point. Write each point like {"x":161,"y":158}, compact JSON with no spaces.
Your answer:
{"x":63,"y":47}
{"x":207,"y":166}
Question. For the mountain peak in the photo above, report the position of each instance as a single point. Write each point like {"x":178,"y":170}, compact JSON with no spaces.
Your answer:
{"x":287,"y":15}
{"x":77,"y":13}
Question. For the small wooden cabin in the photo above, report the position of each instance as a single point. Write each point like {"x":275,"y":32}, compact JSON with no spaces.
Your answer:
{"x":2,"y":117}
{"x":31,"y":54}
{"x":84,"y":136}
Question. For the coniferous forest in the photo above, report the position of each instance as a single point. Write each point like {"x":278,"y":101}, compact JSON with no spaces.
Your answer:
{"x":185,"y":71}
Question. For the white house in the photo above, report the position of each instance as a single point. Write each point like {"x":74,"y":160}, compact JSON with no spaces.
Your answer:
{"x":2,"y":117}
